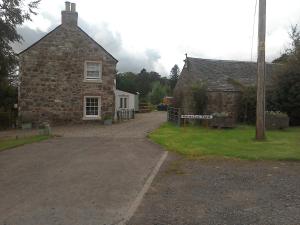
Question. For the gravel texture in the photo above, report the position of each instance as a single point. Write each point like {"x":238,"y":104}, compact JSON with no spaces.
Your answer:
{"x":89,"y":176}
{"x":222,"y":191}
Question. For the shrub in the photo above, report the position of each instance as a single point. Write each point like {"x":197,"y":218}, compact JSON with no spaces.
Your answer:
{"x":157,"y":93}
{"x":220,"y":114}
{"x":287,"y":95}
{"x":222,"y":120}
{"x":276,"y":113}
{"x":5,"y":120}
{"x":247,"y":105}
{"x":276,"y":120}
{"x":200,"y":98}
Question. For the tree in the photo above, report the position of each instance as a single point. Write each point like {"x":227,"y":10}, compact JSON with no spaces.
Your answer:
{"x":157,"y":93}
{"x":145,"y":82}
{"x":142,"y":82}
{"x":127,"y":82}
{"x":174,"y":75}
{"x":12,"y":14}
{"x":286,"y":93}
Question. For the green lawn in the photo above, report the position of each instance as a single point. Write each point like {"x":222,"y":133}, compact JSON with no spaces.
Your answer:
{"x":238,"y":142}
{"x":12,"y":143}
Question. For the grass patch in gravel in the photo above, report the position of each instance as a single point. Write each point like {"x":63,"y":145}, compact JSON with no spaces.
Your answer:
{"x":238,"y":143}
{"x":15,"y":142}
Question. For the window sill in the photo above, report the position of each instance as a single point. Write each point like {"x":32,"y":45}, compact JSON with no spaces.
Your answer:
{"x":91,"y":118}
{"x":92,"y":81}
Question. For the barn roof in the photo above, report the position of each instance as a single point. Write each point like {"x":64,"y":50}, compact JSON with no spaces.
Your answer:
{"x":220,"y":74}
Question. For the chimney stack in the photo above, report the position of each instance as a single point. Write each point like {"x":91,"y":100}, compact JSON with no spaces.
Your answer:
{"x":69,"y":16}
{"x":67,"y":4}
{"x":73,"y":7}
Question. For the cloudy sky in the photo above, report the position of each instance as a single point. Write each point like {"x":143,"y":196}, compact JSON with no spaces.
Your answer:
{"x":155,"y":34}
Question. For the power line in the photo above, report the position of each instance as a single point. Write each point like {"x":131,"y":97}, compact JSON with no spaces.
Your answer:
{"x":253,"y":28}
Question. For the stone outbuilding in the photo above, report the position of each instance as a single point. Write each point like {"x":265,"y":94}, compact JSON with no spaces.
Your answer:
{"x":66,"y":76}
{"x":221,"y":78}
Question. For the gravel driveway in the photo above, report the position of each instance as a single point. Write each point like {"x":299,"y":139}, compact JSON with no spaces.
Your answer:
{"x":88,"y":176}
{"x":222,"y":191}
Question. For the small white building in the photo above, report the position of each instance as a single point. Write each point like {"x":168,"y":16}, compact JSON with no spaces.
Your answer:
{"x":126,"y":101}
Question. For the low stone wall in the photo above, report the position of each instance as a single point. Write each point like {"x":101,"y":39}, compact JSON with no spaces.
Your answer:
{"x":277,"y":122}
{"x":222,"y":122}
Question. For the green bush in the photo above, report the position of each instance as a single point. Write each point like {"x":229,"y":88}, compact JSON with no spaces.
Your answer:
{"x":287,"y":95}
{"x":247,"y":105}
{"x":157,"y":93}
{"x":200,"y":98}
{"x":5,"y":120}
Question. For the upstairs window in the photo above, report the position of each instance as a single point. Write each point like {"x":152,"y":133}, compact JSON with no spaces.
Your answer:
{"x":93,"y":71}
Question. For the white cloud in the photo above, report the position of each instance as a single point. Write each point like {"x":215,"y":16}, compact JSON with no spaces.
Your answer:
{"x":156,"y":34}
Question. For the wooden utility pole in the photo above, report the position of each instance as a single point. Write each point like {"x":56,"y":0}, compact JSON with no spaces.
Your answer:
{"x":261,"y":72}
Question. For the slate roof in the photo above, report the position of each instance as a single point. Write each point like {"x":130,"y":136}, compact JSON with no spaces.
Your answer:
{"x":57,"y":28}
{"x":219,"y":73}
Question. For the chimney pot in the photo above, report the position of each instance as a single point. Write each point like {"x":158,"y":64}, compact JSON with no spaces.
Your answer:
{"x":69,"y":16}
{"x":73,"y":7}
{"x":67,"y":4}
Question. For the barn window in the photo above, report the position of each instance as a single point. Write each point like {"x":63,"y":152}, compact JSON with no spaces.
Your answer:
{"x":92,"y":107}
{"x":92,"y":71}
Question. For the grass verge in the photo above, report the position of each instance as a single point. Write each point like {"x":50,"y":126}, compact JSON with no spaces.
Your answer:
{"x":237,"y":143}
{"x":12,"y":143}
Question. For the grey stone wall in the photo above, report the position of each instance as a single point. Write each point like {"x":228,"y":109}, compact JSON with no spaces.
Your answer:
{"x":223,"y":101}
{"x":218,"y":101}
{"x":52,"y":77}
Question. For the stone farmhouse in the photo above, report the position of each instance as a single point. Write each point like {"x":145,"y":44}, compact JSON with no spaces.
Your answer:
{"x":66,"y":76}
{"x":221,"y":78}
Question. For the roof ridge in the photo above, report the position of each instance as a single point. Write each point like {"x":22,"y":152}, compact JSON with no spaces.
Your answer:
{"x":227,"y":60}
{"x":80,"y":29}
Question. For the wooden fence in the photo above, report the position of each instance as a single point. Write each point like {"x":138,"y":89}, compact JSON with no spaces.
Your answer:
{"x":174,"y":115}
{"x":125,"y":114}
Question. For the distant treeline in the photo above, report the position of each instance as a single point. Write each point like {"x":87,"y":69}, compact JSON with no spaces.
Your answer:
{"x":151,"y":86}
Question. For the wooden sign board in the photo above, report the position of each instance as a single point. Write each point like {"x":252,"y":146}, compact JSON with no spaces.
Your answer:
{"x":199,"y":117}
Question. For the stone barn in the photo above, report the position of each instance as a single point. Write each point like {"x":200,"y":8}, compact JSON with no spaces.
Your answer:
{"x":221,"y":78}
{"x":66,"y":76}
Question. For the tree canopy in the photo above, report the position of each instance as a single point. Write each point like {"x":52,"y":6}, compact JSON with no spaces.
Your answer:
{"x":12,"y":14}
{"x":286,"y":94}
{"x":145,"y":83}
{"x":174,"y":75}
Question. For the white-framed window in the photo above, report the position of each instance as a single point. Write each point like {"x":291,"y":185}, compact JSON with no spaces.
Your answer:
{"x":92,"y":71}
{"x":123,"y":103}
{"x":92,"y":107}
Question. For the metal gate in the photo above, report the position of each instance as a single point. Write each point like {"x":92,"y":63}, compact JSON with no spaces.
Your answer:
{"x":125,"y":114}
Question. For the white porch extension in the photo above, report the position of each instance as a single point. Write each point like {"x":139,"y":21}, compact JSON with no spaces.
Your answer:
{"x":125,"y":101}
